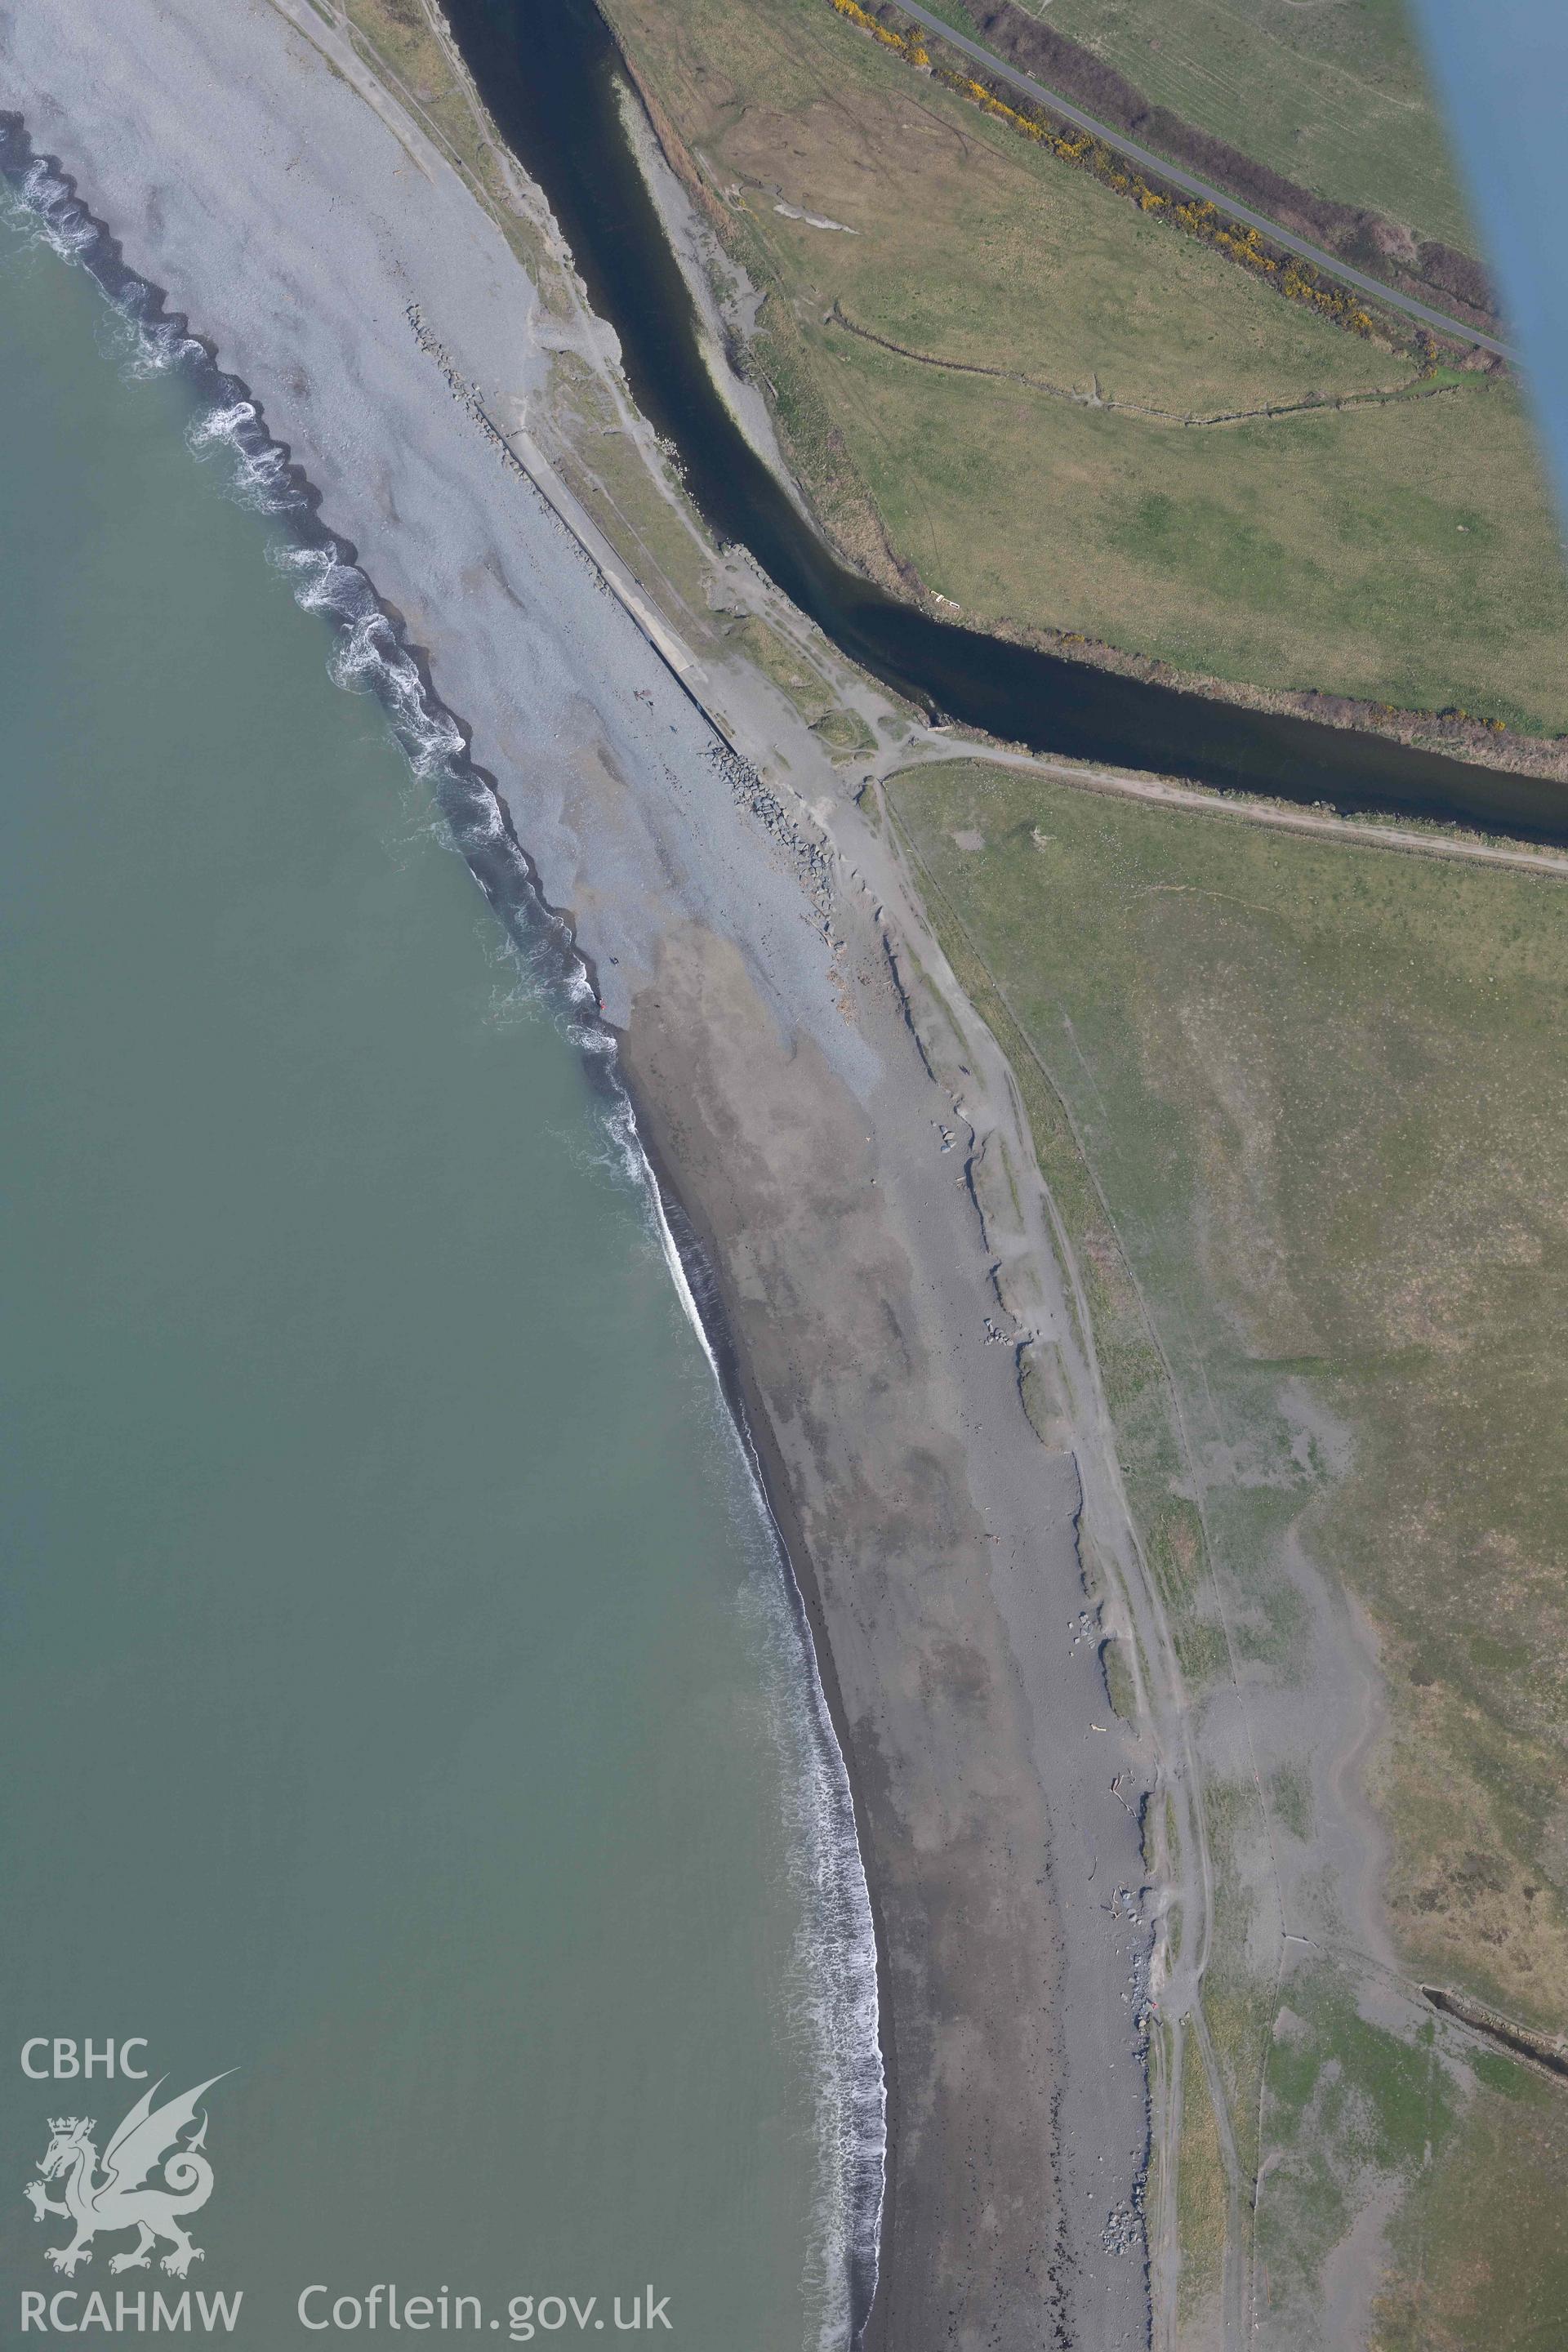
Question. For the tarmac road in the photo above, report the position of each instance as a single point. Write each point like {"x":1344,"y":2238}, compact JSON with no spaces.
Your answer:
{"x":1176,"y":178}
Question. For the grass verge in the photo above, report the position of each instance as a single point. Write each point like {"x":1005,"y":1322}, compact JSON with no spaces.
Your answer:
{"x":1310,"y":1098}
{"x":1401,"y":552}
{"x":1335,"y":97}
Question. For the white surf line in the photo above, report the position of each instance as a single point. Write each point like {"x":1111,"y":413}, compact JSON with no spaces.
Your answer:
{"x":859,"y":2247}
{"x":367,"y":650}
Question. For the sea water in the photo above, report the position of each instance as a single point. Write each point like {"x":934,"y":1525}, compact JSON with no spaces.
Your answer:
{"x":404,"y":1711}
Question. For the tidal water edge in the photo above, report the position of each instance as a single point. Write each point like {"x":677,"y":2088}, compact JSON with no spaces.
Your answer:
{"x":406,"y":1705}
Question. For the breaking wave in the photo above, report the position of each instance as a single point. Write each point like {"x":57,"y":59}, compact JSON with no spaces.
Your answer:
{"x":835,"y":1983}
{"x":834,"y":1973}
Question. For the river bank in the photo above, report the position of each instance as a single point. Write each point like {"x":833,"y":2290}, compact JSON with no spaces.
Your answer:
{"x":728,"y":304}
{"x":767,"y":1039}
{"x":1059,"y":692}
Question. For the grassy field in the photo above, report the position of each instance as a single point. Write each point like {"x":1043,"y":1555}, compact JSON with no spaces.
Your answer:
{"x":1481,"y":2257}
{"x":1334,"y":97}
{"x":1321,"y":1092}
{"x":1403,"y":552}
{"x":1201,"y":2204}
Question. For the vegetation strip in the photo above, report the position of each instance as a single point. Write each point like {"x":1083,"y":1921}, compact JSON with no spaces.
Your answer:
{"x":1102,"y":147}
{"x":1385,"y":569}
{"x":1297,"y":280}
{"x":1377,"y":396}
{"x":1357,"y":831}
{"x":1286,"y":181}
{"x":1318,"y":1100}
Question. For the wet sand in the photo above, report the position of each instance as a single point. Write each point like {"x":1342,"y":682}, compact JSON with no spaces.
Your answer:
{"x":785,"y":1092}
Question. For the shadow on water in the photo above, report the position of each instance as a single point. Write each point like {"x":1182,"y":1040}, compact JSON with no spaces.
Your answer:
{"x":546,"y":69}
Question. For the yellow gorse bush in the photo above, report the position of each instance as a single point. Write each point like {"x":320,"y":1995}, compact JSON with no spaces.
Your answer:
{"x":909,"y":44}
{"x":1297,"y":281}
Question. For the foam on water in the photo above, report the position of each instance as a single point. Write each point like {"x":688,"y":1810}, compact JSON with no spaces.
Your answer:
{"x":835,"y":1968}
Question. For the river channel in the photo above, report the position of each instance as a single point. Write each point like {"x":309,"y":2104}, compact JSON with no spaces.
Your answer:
{"x":549,"y":76}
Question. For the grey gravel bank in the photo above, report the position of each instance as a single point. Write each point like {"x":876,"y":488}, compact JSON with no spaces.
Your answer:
{"x":777,"y":1078}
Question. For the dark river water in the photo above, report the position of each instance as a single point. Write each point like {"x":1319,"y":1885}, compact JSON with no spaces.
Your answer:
{"x":547,"y":73}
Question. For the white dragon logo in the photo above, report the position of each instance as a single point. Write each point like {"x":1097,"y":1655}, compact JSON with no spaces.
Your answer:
{"x":123,"y":2197}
